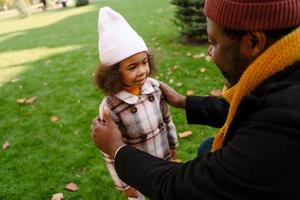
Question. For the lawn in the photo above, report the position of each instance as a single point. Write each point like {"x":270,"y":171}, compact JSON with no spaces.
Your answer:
{"x":52,"y":56}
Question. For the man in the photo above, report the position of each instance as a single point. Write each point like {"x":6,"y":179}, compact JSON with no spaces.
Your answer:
{"x":256,"y":45}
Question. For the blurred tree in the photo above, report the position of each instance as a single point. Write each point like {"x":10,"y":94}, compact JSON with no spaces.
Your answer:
{"x":190,"y":18}
{"x":82,"y":2}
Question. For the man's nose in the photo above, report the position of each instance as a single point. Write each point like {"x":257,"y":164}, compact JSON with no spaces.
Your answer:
{"x":209,"y":50}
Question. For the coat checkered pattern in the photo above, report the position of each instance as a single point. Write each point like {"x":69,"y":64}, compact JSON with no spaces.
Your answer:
{"x":145,"y":123}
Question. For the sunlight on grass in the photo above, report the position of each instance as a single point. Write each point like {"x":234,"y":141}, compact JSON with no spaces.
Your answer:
{"x":41,"y":20}
{"x":15,"y":62}
{"x":9,"y":36}
{"x":10,"y":73}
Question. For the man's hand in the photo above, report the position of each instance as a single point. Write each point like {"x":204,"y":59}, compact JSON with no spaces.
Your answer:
{"x":131,"y":192}
{"x":172,"y":97}
{"x":106,"y":134}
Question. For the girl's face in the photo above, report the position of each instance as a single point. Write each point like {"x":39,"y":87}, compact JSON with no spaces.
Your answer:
{"x":135,"y":69}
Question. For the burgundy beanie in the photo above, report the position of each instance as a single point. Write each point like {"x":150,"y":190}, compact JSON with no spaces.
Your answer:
{"x":251,"y":15}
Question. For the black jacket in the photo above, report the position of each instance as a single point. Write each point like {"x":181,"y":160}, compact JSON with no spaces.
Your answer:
{"x":259,"y":159}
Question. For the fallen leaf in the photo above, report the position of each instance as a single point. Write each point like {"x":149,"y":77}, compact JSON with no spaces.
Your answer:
{"x":177,"y":160}
{"x":14,"y":80}
{"x":49,"y":61}
{"x":71,"y":186}
{"x":57,"y":196}
{"x":207,"y":58}
{"x":171,"y":80}
{"x":190,"y":92}
{"x":216,"y":92}
{"x":153,"y":39}
{"x":54,"y":118}
{"x":175,"y":67}
{"x":188,"y":54}
{"x":31,"y":100}
{"x":203,"y":69}
{"x":179,"y":84}
{"x":185,"y":134}
{"x":5,"y":146}
{"x":198,"y":56}
{"x":21,"y":101}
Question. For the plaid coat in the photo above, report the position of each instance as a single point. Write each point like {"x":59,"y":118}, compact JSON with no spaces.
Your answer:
{"x":145,"y":123}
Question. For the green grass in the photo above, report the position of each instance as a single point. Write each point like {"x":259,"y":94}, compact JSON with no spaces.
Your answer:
{"x":53,"y":56}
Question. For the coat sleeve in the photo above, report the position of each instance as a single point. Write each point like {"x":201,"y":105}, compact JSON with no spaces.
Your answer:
{"x":110,"y":162}
{"x":207,"y":110}
{"x":167,"y":118}
{"x":260,"y":162}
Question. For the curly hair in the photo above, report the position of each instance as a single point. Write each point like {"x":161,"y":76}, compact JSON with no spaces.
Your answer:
{"x":109,"y":79}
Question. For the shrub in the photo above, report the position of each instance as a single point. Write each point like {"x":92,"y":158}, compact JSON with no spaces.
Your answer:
{"x":82,"y":2}
{"x":190,"y":18}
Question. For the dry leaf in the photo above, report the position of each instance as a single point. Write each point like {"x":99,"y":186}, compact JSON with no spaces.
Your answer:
{"x":71,"y":186}
{"x":198,"y":56}
{"x":207,"y":58}
{"x":14,"y":80}
{"x":49,"y":61}
{"x":175,"y":67}
{"x":188,"y":54}
{"x":190,"y":92}
{"x":203,"y":69}
{"x":5,"y":146}
{"x":177,"y":160}
{"x":21,"y":101}
{"x":179,"y":84}
{"x":57,"y":196}
{"x":216,"y":92}
{"x":185,"y":134}
{"x":54,"y":118}
{"x":153,"y":39}
{"x":31,"y":100}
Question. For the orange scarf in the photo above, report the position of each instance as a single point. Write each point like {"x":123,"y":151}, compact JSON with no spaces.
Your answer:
{"x":280,"y":55}
{"x":133,"y":90}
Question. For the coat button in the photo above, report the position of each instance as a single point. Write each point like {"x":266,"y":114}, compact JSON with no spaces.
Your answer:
{"x":133,"y":109}
{"x":151,"y":98}
{"x":160,"y":126}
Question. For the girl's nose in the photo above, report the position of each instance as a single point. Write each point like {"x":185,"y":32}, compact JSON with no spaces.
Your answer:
{"x":142,"y":70}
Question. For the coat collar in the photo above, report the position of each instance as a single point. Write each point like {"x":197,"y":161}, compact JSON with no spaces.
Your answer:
{"x":147,"y":88}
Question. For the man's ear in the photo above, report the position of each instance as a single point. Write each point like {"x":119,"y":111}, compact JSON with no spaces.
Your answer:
{"x":253,"y":44}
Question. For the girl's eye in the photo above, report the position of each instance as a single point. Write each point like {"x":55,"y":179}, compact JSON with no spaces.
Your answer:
{"x":145,"y":62}
{"x":131,"y":67}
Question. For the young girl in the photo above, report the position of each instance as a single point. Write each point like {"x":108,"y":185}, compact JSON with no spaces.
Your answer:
{"x":135,"y":101}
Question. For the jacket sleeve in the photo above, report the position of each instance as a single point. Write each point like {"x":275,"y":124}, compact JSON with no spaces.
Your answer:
{"x":206,"y":110}
{"x":119,"y":184}
{"x":260,"y":162}
{"x":171,"y":129}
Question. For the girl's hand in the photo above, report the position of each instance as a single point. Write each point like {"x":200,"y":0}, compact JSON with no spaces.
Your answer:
{"x":173,"y":154}
{"x":131,"y":192}
{"x":172,"y":97}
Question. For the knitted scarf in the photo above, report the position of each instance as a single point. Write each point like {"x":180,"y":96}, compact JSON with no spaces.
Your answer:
{"x":280,"y":55}
{"x":133,"y":90}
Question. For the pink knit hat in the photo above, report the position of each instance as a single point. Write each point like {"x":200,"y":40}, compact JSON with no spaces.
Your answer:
{"x":251,"y":15}
{"x":117,"y":39}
